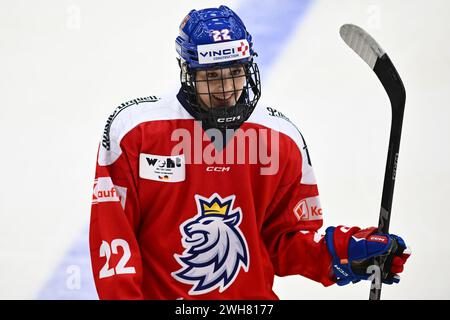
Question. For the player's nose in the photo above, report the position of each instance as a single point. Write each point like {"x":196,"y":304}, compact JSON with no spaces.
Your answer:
{"x":228,"y":85}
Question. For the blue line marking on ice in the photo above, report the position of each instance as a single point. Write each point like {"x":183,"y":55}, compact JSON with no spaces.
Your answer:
{"x":271,"y":23}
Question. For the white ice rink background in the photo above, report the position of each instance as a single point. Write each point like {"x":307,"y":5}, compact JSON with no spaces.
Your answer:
{"x":65,"y":65}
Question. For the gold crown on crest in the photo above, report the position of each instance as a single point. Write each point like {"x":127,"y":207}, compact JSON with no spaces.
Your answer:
{"x":215,"y":207}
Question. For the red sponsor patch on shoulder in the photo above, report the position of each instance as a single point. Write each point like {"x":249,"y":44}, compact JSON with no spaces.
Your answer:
{"x":308,"y":209}
{"x":377,"y":238}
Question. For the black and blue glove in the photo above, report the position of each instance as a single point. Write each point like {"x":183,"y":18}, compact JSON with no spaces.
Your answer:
{"x":353,"y":253}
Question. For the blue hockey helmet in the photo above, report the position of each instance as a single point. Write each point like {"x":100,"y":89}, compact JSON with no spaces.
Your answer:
{"x":216,"y":38}
{"x":211,"y":36}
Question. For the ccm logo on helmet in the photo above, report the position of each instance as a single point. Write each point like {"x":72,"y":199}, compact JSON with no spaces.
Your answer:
{"x":227,"y":120}
{"x":224,"y":51}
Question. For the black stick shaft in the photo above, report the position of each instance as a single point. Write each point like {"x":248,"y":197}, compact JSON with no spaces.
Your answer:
{"x":393,"y":85}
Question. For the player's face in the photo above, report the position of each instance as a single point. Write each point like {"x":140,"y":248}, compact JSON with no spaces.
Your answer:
{"x":220,"y":87}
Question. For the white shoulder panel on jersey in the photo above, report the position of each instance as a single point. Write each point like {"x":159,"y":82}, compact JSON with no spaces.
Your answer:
{"x":275,"y":120}
{"x":132,"y":113}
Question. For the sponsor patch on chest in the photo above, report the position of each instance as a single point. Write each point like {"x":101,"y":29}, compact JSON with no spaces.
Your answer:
{"x":162,"y":168}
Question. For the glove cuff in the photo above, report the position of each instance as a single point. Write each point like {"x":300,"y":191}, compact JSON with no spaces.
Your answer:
{"x":341,"y":267}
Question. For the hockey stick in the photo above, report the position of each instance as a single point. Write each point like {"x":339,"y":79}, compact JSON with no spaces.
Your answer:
{"x":369,"y":50}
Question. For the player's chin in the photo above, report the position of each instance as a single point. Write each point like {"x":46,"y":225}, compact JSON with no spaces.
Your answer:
{"x":227,"y":102}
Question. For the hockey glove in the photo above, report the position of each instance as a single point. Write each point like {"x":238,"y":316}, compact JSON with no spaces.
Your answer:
{"x":354,"y":250}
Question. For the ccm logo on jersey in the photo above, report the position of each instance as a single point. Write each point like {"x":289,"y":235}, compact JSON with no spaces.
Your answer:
{"x":106,"y":191}
{"x":308,"y":209}
{"x":218,"y":169}
{"x":162,"y":168}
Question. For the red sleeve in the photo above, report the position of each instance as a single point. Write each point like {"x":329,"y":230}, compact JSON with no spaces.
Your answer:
{"x":292,"y":222}
{"x":115,"y":256}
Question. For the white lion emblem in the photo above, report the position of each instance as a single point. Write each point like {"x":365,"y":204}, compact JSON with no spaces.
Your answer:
{"x":215,"y":249}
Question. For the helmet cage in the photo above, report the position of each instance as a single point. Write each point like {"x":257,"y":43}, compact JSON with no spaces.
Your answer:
{"x":211,"y":113}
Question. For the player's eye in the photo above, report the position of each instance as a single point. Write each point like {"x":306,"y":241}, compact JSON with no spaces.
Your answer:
{"x":236,"y":72}
{"x":212,"y":75}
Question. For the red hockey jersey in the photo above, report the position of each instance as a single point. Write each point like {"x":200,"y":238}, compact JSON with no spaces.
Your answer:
{"x":180,"y":212}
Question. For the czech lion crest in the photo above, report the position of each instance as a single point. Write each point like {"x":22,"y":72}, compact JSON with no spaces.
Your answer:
{"x":215,"y":248}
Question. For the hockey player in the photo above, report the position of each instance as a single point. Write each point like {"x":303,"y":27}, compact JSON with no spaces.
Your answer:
{"x":207,"y":195}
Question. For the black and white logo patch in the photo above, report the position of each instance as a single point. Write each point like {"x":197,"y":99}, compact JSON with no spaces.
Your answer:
{"x":162,"y":168}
